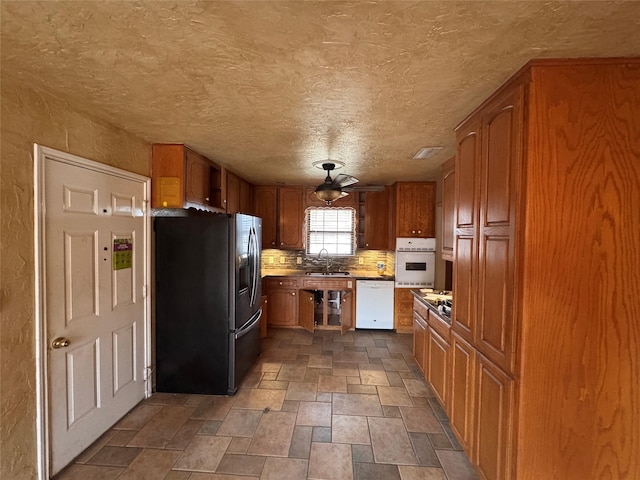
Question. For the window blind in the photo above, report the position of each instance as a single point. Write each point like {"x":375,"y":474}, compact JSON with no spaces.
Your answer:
{"x":332,"y":229}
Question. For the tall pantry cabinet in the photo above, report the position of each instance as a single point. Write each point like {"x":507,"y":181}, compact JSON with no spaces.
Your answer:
{"x":545,"y":330}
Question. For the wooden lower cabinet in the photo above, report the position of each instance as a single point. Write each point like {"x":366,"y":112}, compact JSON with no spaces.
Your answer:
{"x":419,"y":340}
{"x":461,"y":401}
{"x":306,"y":307}
{"x":437,"y":364}
{"x":403,"y":310}
{"x":494,"y":409}
{"x":283,"y":307}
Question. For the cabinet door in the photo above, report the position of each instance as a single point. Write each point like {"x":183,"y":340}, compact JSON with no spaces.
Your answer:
{"x":233,"y":193}
{"x":283,"y":307}
{"x":290,"y":213}
{"x":306,"y":310}
{"x":376,"y":220}
{"x":467,"y":172}
{"x":494,"y":421}
{"x":448,"y":209}
{"x":403,"y":310}
{"x":346,"y":321}
{"x":501,"y":158}
{"x":415,"y":209}
{"x":266,"y":207}
{"x":246,"y":197}
{"x":460,"y":407}
{"x":465,"y":227}
{"x":419,"y":341}
{"x":198,"y":176}
{"x":437,"y":364}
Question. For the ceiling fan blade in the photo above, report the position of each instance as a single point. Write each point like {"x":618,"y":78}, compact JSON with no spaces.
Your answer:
{"x":344,"y":180}
{"x":365,"y":188}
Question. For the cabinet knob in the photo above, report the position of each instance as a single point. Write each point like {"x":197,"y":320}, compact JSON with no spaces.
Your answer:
{"x":207,"y":199}
{"x":293,"y":293}
{"x":366,"y":244}
{"x":419,"y":231}
{"x":273,"y":243}
{"x":413,"y":231}
{"x":279,"y":283}
{"x":281,"y":243}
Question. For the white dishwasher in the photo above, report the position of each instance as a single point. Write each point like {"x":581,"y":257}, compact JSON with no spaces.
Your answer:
{"x":374,"y":304}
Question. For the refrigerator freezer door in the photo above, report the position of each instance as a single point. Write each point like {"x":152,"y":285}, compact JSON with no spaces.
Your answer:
{"x":245,"y":349}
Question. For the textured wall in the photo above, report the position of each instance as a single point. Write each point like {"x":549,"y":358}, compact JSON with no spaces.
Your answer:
{"x":31,"y":117}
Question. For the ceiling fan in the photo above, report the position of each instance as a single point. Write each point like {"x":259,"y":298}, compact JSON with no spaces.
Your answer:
{"x":333,"y":189}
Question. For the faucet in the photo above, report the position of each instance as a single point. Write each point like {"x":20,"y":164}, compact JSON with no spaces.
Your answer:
{"x":326,"y":252}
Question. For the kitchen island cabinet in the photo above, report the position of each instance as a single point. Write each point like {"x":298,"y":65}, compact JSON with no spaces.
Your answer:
{"x":548,"y":155}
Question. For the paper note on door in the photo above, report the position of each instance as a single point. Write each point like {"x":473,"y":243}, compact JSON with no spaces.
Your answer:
{"x":122,"y":253}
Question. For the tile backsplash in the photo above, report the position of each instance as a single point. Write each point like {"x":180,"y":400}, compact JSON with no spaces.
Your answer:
{"x":364,"y":261}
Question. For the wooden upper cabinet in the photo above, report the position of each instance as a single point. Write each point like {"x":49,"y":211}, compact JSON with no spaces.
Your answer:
{"x":376,"y":220}
{"x":448,"y":208}
{"x":182,"y":178}
{"x":310,"y":199}
{"x":246,"y":197}
{"x":266,"y":207}
{"x":239,"y":195}
{"x":467,"y":173}
{"x":233,"y":193}
{"x":290,"y":218}
{"x":415,"y":209}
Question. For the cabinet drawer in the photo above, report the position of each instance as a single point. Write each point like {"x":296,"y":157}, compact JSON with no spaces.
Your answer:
{"x":439,"y":325}
{"x":283,"y":282}
{"x":421,"y":309}
{"x":322,"y":284}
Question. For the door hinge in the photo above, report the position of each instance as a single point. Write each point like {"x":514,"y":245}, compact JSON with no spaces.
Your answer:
{"x":145,"y":291}
{"x":145,"y":206}
{"x":146,"y":373}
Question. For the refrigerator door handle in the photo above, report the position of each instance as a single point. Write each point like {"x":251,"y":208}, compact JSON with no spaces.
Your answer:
{"x":253,"y":253}
{"x":249,"y":325}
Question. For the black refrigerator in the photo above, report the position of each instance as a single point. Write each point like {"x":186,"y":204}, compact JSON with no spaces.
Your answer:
{"x":207,"y":301}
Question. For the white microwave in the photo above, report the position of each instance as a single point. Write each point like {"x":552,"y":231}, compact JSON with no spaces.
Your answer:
{"x":415,"y":262}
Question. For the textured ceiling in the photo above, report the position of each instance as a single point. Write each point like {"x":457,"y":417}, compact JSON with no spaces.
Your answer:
{"x":267,"y":88}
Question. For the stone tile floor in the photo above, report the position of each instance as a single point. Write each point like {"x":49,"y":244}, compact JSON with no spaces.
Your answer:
{"x":315,"y":406}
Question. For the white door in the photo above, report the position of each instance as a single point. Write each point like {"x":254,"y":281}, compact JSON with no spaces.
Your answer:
{"x":95,"y":250}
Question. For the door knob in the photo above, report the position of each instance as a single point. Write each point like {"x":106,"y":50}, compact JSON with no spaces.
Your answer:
{"x":60,"y":342}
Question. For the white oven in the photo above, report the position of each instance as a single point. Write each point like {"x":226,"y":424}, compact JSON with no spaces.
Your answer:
{"x":415,"y":262}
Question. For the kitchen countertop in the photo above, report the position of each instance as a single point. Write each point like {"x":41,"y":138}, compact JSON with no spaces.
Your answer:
{"x":427,"y":300}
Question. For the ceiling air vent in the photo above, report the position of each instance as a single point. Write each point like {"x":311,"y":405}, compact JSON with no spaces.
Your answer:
{"x":426,"y":152}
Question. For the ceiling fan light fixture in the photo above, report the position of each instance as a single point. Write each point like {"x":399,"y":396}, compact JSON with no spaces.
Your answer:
{"x":327,"y":193}
{"x":426,"y":152}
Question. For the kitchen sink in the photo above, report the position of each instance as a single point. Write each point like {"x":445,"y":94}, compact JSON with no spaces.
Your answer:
{"x":328,"y":274}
